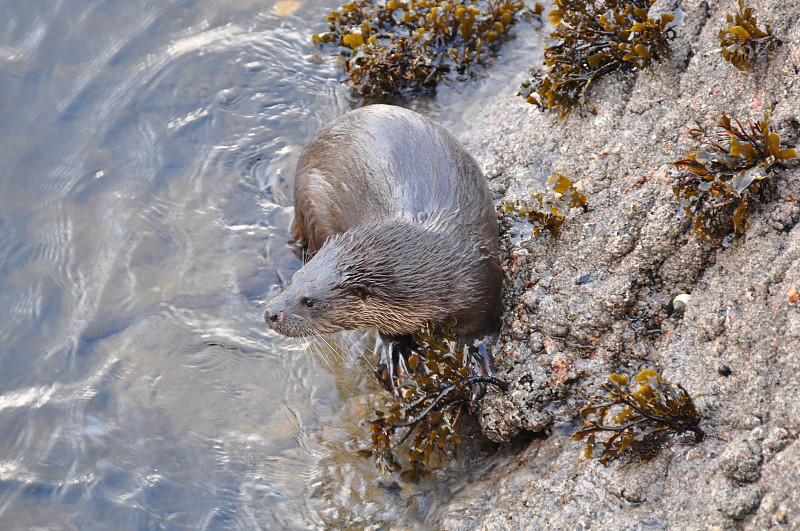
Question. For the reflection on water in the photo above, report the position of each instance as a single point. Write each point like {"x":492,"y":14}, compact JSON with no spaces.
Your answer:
{"x":147,"y":153}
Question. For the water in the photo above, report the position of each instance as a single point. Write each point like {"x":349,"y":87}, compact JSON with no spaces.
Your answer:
{"x":147,"y":152}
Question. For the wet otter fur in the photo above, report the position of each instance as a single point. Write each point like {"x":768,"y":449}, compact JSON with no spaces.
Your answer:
{"x":401,"y":229}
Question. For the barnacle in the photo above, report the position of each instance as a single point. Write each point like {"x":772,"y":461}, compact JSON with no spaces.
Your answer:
{"x":726,"y":172}
{"x":743,"y":42}
{"x":549,"y":212}
{"x":431,"y":403}
{"x":593,"y":38}
{"x":636,"y":425}
{"x":394,"y":45}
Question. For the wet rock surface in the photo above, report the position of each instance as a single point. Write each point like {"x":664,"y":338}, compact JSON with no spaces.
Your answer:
{"x":596,"y":298}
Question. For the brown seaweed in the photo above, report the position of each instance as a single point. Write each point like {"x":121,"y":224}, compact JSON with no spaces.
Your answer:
{"x":623,"y":425}
{"x":395,"y":45}
{"x":593,"y":38}
{"x":726,"y":173}
{"x":431,"y":403}
{"x":743,"y":42}
{"x":549,"y":212}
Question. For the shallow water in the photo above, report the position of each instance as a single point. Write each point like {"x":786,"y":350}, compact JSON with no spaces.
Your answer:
{"x":147,"y":153}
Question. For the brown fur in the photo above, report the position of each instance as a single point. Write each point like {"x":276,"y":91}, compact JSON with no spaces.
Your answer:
{"x":402,"y":228}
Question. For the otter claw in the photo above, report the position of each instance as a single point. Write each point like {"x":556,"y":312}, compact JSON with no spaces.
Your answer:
{"x":392,"y":366}
{"x":482,"y":356}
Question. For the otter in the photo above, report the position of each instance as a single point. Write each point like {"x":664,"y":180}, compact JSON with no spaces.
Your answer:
{"x":400,"y":226}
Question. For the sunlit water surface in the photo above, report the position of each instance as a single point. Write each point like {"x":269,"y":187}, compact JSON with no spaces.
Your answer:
{"x":147,"y":151}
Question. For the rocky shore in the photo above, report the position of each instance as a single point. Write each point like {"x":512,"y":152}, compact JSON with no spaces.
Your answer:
{"x":596,"y":298}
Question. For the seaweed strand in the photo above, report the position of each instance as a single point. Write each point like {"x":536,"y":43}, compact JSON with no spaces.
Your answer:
{"x":593,"y":38}
{"x":640,"y":423}
{"x":726,"y":172}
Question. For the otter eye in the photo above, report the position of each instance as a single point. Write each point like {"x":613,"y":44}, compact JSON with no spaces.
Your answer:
{"x":308,"y":303}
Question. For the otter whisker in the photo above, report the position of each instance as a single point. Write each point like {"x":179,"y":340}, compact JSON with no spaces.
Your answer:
{"x":361,"y":354}
{"x":323,"y":347}
{"x":333,"y":351}
{"x":307,"y":353}
{"x":351,"y":347}
{"x":328,"y":351}
{"x":323,"y":350}
{"x":341,"y":350}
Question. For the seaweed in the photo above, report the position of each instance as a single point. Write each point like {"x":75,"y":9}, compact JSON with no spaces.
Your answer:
{"x":639,"y":424}
{"x":743,"y":42}
{"x":431,"y":403}
{"x":549,"y":212}
{"x":394,"y":45}
{"x":726,"y":173}
{"x":593,"y":38}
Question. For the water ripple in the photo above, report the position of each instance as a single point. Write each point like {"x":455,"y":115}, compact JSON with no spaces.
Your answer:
{"x":58,"y":394}
{"x":148,"y":152}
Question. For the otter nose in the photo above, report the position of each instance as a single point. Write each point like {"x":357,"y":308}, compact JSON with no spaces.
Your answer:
{"x":272,"y":317}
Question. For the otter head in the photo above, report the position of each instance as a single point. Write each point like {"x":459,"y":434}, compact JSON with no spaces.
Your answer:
{"x":320,"y":299}
{"x":388,"y":276}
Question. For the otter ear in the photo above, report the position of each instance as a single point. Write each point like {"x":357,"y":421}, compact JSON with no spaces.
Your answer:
{"x":360,"y":291}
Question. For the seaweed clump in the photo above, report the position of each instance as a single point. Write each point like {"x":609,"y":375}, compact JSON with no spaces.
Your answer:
{"x":638,"y":424}
{"x":725,"y":174}
{"x":593,"y":38}
{"x":743,"y":42}
{"x":549,"y":213}
{"x":431,"y":403}
{"x":394,"y":45}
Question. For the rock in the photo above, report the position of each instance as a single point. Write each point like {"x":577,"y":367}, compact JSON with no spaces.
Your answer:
{"x":741,"y":460}
{"x":597,"y":298}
